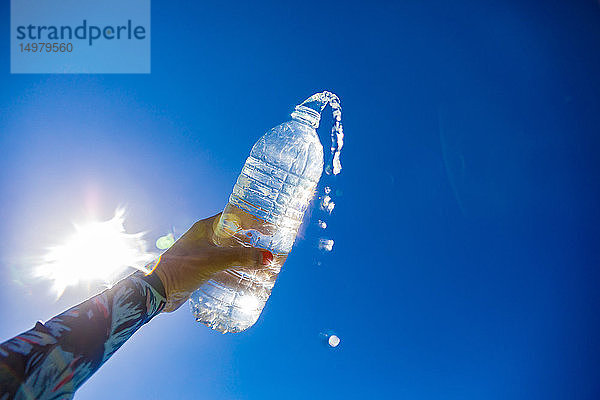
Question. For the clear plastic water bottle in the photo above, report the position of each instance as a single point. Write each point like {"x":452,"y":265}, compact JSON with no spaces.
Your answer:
{"x":264,"y":211}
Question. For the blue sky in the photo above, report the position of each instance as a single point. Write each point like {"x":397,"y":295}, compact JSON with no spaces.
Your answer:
{"x":467,"y":231}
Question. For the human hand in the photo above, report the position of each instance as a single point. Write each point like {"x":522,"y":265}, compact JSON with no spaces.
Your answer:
{"x":194,"y":258}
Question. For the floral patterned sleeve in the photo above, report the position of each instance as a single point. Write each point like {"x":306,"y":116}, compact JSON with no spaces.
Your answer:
{"x":53,"y":359}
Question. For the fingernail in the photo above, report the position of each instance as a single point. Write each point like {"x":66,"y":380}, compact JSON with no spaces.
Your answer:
{"x":267,"y":257}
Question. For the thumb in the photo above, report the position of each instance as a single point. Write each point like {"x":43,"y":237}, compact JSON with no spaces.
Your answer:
{"x":248,"y":257}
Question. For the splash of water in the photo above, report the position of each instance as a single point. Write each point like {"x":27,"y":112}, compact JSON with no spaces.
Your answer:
{"x":334,"y":166}
{"x":327,"y":195}
{"x":326,"y":244}
{"x":337,"y":137}
{"x":326,"y":204}
{"x":309,"y":112}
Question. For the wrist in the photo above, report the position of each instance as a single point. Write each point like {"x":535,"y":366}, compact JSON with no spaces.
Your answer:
{"x":155,"y":281}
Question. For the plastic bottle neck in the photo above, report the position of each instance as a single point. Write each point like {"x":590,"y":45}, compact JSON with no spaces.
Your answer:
{"x":309,"y":111}
{"x":307,"y":116}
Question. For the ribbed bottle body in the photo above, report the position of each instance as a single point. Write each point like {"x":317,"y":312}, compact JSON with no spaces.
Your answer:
{"x":265,"y":210}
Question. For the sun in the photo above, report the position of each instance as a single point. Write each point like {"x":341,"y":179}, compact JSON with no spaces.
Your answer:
{"x":96,"y":251}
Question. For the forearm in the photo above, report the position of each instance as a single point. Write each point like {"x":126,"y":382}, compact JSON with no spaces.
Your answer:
{"x":54,"y":359}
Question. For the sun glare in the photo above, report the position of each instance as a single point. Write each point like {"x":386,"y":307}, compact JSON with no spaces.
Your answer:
{"x":96,"y":251}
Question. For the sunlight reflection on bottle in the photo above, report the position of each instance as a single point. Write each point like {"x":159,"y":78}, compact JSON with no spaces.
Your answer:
{"x":247,"y":303}
{"x":326,"y":203}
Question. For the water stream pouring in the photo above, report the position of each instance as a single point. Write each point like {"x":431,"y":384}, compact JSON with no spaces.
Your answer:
{"x":265,"y":211}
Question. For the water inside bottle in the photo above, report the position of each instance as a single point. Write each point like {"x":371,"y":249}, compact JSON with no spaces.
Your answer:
{"x":240,"y":293}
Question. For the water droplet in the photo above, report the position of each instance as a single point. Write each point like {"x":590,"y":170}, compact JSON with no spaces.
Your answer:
{"x":326,"y":244}
{"x":326,"y":204}
{"x":333,"y":341}
{"x":330,"y":207}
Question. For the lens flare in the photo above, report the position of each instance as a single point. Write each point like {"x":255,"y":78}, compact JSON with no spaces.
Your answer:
{"x":164,"y":242}
{"x":96,"y":251}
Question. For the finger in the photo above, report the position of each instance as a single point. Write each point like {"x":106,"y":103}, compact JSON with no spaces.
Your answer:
{"x":202,"y":229}
{"x":248,"y":257}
